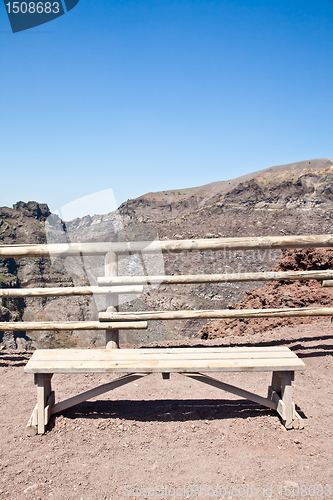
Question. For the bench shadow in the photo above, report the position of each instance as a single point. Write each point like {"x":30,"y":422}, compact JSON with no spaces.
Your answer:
{"x":14,"y":360}
{"x":166,"y":410}
{"x":303,"y":351}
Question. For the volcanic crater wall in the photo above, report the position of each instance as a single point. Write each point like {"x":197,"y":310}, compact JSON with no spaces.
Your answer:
{"x":290,"y":199}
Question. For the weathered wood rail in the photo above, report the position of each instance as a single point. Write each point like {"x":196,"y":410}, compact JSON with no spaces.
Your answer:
{"x":217,"y":314}
{"x":67,"y":291}
{"x":217,"y":278}
{"x":214,"y":244}
{"x":141,"y":362}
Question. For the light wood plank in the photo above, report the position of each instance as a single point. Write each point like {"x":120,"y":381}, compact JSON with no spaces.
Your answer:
{"x":69,"y":291}
{"x":40,"y":404}
{"x":172,"y":365}
{"x":31,"y":427}
{"x":181,"y":353}
{"x":280,"y":405}
{"x":187,"y":355}
{"x":214,"y":244}
{"x":48,"y":412}
{"x":74,"y":325}
{"x":327,"y":283}
{"x":102,"y":353}
{"x":286,"y":396}
{"x":217,"y":278}
{"x":217,"y":314}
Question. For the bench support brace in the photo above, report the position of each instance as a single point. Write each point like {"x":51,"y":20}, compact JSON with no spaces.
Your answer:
{"x":279,"y":395}
{"x":45,"y":399}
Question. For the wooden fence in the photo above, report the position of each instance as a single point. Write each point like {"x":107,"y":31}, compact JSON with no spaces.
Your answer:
{"x":111,"y":285}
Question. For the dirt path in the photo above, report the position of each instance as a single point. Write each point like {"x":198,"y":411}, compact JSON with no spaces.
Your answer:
{"x":173,"y":436}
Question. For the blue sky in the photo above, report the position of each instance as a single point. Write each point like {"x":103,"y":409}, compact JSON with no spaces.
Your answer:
{"x":139,"y":96}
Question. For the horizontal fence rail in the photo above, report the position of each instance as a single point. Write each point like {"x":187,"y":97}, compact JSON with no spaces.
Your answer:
{"x":216,"y":278}
{"x":68,"y":291}
{"x":111,"y":285}
{"x":213,"y":244}
{"x":74,"y":325}
{"x":216,"y":314}
{"x":327,"y":283}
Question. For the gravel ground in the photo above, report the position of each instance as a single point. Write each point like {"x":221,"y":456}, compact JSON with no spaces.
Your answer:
{"x":177,"y":438}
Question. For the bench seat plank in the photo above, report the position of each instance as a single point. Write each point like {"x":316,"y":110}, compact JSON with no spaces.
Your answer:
{"x":140,"y":354}
{"x":43,"y":353}
{"x":171,"y":360}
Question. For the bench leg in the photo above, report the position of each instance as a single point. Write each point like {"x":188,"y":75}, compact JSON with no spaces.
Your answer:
{"x":41,"y":400}
{"x":45,"y":400}
{"x":31,"y":427}
{"x":286,"y":396}
{"x":281,"y":392}
{"x":276,"y":384}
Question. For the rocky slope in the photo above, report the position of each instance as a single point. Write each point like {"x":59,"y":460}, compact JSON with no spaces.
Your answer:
{"x":288,"y":199}
{"x":280,"y":294}
{"x":302,"y":185}
{"x":25,"y":224}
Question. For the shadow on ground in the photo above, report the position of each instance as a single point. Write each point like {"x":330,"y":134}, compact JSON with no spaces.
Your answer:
{"x":300,"y":345}
{"x":168,"y":410}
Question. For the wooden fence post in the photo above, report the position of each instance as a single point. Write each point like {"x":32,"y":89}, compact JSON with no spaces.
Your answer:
{"x":111,"y":269}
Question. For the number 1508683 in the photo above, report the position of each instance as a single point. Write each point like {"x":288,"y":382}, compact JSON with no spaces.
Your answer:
{"x":33,"y":8}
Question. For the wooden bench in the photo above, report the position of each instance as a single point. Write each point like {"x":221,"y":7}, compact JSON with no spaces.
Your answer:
{"x":189,"y":361}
